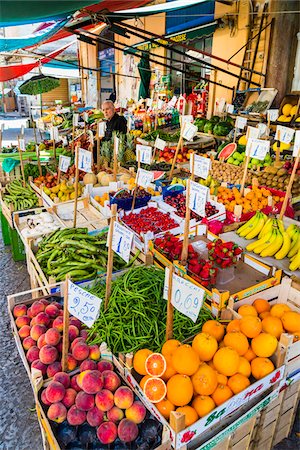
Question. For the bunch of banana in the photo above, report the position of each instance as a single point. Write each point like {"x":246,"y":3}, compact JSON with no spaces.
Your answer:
{"x":294,"y":252}
{"x":254,"y":226}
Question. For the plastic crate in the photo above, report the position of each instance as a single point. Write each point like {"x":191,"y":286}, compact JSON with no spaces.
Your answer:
{"x":5,"y":229}
{"x":17,"y":246}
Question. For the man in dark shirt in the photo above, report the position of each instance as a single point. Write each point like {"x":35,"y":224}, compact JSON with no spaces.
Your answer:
{"x":114,"y":121}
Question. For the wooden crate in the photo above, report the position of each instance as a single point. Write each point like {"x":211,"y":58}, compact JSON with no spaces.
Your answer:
{"x":14,"y":174}
{"x":288,"y":411}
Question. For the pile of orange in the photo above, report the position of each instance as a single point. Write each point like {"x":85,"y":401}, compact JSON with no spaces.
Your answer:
{"x":254,"y":200}
{"x":221,"y":362}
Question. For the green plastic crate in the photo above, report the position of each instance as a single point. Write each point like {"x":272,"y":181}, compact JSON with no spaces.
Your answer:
{"x":5,"y":229}
{"x":17,"y":246}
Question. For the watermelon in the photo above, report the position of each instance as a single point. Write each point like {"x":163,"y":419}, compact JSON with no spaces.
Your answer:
{"x":227,"y":151}
{"x":208,"y":127}
{"x":214,"y":119}
{"x":222,"y":129}
{"x":158,"y":174}
{"x":200,"y":124}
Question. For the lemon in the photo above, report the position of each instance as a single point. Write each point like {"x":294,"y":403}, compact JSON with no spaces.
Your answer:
{"x":293,"y":110}
{"x":286,"y":109}
{"x":281,"y":118}
{"x":243,"y":140}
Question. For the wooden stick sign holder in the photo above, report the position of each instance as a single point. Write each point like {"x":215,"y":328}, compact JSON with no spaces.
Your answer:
{"x":1,"y":136}
{"x":110,"y":259}
{"x":65,"y":348}
{"x":76,"y":183}
{"x":21,"y":163}
{"x":246,"y":166}
{"x":289,"y":186}
{"x":136,"y":183}
{"x":170,"y":307}
{"x":115,"y":162}
{"x":179,"y":146}
{"x":185,"y":244}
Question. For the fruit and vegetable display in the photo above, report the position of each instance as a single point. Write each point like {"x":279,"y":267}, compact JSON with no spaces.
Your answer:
{"x":32,"y":170}
{"x":19,"y":196}
{"x":287,"y":112}
{"x":256,"y":199}
{"x":149,"y":219}
{"x":39,"y":225}
{"x":223,"y":254}
{"x":228,"y":173}
{"x":63,"y":191}
{"x":278,"y":178}
{"x":168,"y":153}
{"x":179,"y":203}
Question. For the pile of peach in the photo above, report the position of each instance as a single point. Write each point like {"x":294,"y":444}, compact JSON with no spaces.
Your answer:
{"x":254,"y":200}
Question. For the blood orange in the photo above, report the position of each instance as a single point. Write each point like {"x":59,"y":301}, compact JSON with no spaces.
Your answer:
{"x":155,"y":365}
{"x":155,"y":389}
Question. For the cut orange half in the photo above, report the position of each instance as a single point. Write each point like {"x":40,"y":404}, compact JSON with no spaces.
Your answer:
{"x":155,"y":389}
{"x":155,"y":365}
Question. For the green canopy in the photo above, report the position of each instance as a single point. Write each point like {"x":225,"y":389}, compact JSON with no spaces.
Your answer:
{"x":145,"y":74}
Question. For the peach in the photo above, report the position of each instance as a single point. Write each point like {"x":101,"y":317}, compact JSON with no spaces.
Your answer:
{"x":48,"y":354}
{"x":33,"y":322}
{"x":111,"y":380}
{"x":95,"y":417}
{"x":63,"y":378}
{"x":76,"y":322}
{"x":57,"y":412}
{"x":90,"y":381}
{"x":52,"y":336}
{"x":115,"y":414}
{"x":84,"y":401}
{"x":107,"y":432}
{"x":55,"y":392}
{"x":42,"y":318}
{"x":24,"y":332}
{"x":53,"y":368}
{"x":29,"y":313}
{"x":105,"y":365}
{"x":58,"y":323}
{"x":52,"y":310}
{"x":32,"y":354}
{"x":88,"y":364}
{"x":28,"y":343}
{"x":37,"y":307}
{"x":84,"y":334}
{"x":19,"y":310}
{"x":136,"y":412}
{"x":104,"y":400}
{"x":41,"y":341}
{"x":44,"y":301}
{"x":61,"y":313}
{"x":75,"y":416}
{"x":73,"y":333}
{"x":127,"y":430}
{"x":58,"y":305}
{"x":37,"y":331}
{"x":71,"y":362}
{"x":59,"y":346}
{"x":94,"y":352}
{"x":44,"y":398}
{"x":22,"y":320}
{"x":123,"y":397}
{"x":74,"y":384}
{"x":69,"y":397}
{"x":78,"y":339}
{"x":80,"y":351}
{"x":37,"y":364}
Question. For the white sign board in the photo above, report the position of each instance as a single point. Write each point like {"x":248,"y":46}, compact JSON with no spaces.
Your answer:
{"x":83,"y":305}
{"x":240,"y":122}
{"x":202,"y":166}
{"x":122,"y":241}
{"x":85,"y":160}
{"x":159,"y":143}
{"x":75,"y":120}
{"x":272,"y":114}
{"x":252,"y":133}
{"x":198,"y":198}
{"x":144,"y":178}
{"x":85,"y":116}
{"x":173,"y":101}
{"x":144,"y":153}
{"x":296,"y":144}
{"x":229,"y":108}
{"x":189,"y":131}
{"x":54,"y":134}
{"x":187,"y":119}
{"x":101,"y":128}
{"x":22,"y":145}
{"x":64,"y":163}
{"x":123,"y":103}
{"x":263,"y":130}
{"x":257,"y":148}
{"x":286,"y":134}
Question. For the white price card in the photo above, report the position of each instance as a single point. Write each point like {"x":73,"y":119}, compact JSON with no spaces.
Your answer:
{"x":187,"y":119}
{"x":160,"y":104}
{"x":252,"y":132}
{"x":229,"y":108}
{"x":198,"y":198}
{"x":173,"y":101}
{"x":144,"y":153}
{"x":54,"y":134}
{"x":286,"y":134}
{"x":41,"y":125}
{"x":85,"y":160}
{"x":122,"y":241}
{"x":149,"y":102}
{"x":85,"y":116}
{"x":101,"y":128}
{"x":83,"y":305}
{"x":263,"y":130}
{"x":144,"y":178}
{"x":22,"y":145}
{"x":296,"y":144}
{"x":64,"y":140}
{"x":202,"y":166}
{"x":123,"y":103}
{"x":272,"y":114}
{"x":75,"y":120}
{"x":159,"y":143}
{"x":64,"y":163}
{"x":189,"y":131}
{"x":186,"y":297}
{"x":257,"y":148}
{"x":240,"y":122}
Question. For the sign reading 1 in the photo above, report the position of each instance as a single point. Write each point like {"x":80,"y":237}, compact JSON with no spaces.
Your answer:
{"x":85,"y":160}
{"x":257,"y":148}
{"x":122,"y":241}
{"x":144,"y":152}
{"x":284,"y":134}
{"x":198,"y":197}
{"x":64,"y":163}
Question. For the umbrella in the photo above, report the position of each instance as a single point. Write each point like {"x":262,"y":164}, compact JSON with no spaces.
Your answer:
{"x":145,"y":74}
{"x":38,"y":85}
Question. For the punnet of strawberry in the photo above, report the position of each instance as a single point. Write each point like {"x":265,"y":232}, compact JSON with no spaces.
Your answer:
{"x":223,"y":254}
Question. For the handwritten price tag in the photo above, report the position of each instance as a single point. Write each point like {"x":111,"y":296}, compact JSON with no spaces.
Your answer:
{"x":257,"y":148}
{"x":85,"y":116}
{"x":122,"y":241}
{"x":272,"y":114}
{"x":159,"y":143}
{"x":189,"y":131}
{"x":54,"y":134}
{"x":64,"y":163}
{"x":144,"y":178}
{"x":173,"y":101}
{"x":198,"y":198}
{"x":187,"y":119}
{"x":186,"y":297}
{"x":83,"y":305}
{"x":85,"y":160}
{"x":75,"y":120}
{"x":286,"y":134}
{"x":240,"y":122}
{"x":144,"y":152}
{"x":123,"y":103}
{"x":201,"y":166}
{"x":229,"y":108}
{"x":263,"y":130}
{"x":296,"y":144}
{"x":101,"y":128}
{"x":252,"y":133}
{"x":22,"y":145}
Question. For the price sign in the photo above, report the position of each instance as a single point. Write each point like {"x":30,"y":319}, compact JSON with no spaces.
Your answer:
{"x":160,"y":104}
{"x":85,"y":116}
{"x":189,"y":131}
{"x":85,"y":160}
{"x":173,"y":101}
{"x":101,"y":128}
{"x":187,"y":119}
{"x":272,"y":114}
{"x":144,"y":178}
{"x":159,"y":143}
{"x":253,"y":132}
{"x":257,"y":148}
{"x":296,"y":144}
{"x":122,"y":241}
{"x":83,"y":305}
{"x":41,"y":125}
{"x":54,"y":134}
{"x":198,"y":198}
{"x":186,"y":297}
{"x":123,"y":103}
{"x":286,"y":134}
{"x":144,"y":152}
{"x":201,"y":166}
{"x":22,"y":145}
{"x":262,"y":130}
{"x":64,"y":163}
{"x":229,"y":108}
{"x":149,"y":102}
{"x":75,"y":120}
{"x":240,"y":123}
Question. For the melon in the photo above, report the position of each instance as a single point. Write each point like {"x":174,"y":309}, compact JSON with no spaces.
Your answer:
{"x":89,"y":178}
{"x":227,"y":151}
{"x":158,"y":174}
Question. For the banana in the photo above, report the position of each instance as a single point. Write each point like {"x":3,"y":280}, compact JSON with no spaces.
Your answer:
{"x":291,"y":230}
{"x":247,"y":224}
{"x":285,"y":248}
{"x":266,"y":243}
{"x":295,"y":264}
{"x":295,"y":246}
{"x":265,"y":238}
{"x":266,"y":228}
{"x":250,"y":227}
{"x":257,"y":229}
{"x":274,"y":247}
{"x":280,"y":225}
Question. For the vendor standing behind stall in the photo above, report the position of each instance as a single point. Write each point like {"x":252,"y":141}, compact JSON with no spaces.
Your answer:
{"x":114,"y":121}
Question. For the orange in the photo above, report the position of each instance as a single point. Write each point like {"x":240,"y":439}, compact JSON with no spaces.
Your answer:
{"x":238,"y":383}
{"x":211,"y":364}
{"x":165,"y":407}
{"x":180,"y":390}
{"x":222,"y":379}
{"x":251,"y":326}
{"x":226,"y":361}
{"x":143,"y":381}
{"x":205,"y":380}
{"x":155,"y":389}
{"x":244,"y":367}
{"x":221,"y":394}
{"x":185,"y":360}
{"x":272,"y":325}
{"x":261,"y":305}
{"x":205,"y":345}
{"x":203,"y":404}
{"x":261,"y":367}
{"x":247,"y":310}
{"x":264,"y":315}
{"x":169,"y":347}
{"x":249,"y":355}
{"x":155,"y":365}
{"x":279,"y":309}
{"x":296,"y":336}
{"x":191,"y":415}
{"x":139,"y":360}
{"x":291,"y":321}
{"x":170,"y":371}
{"x":234,"y":325}
{"x":238,"y":341}
{"x":264,"y":345}
{"x":214,"y":328}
